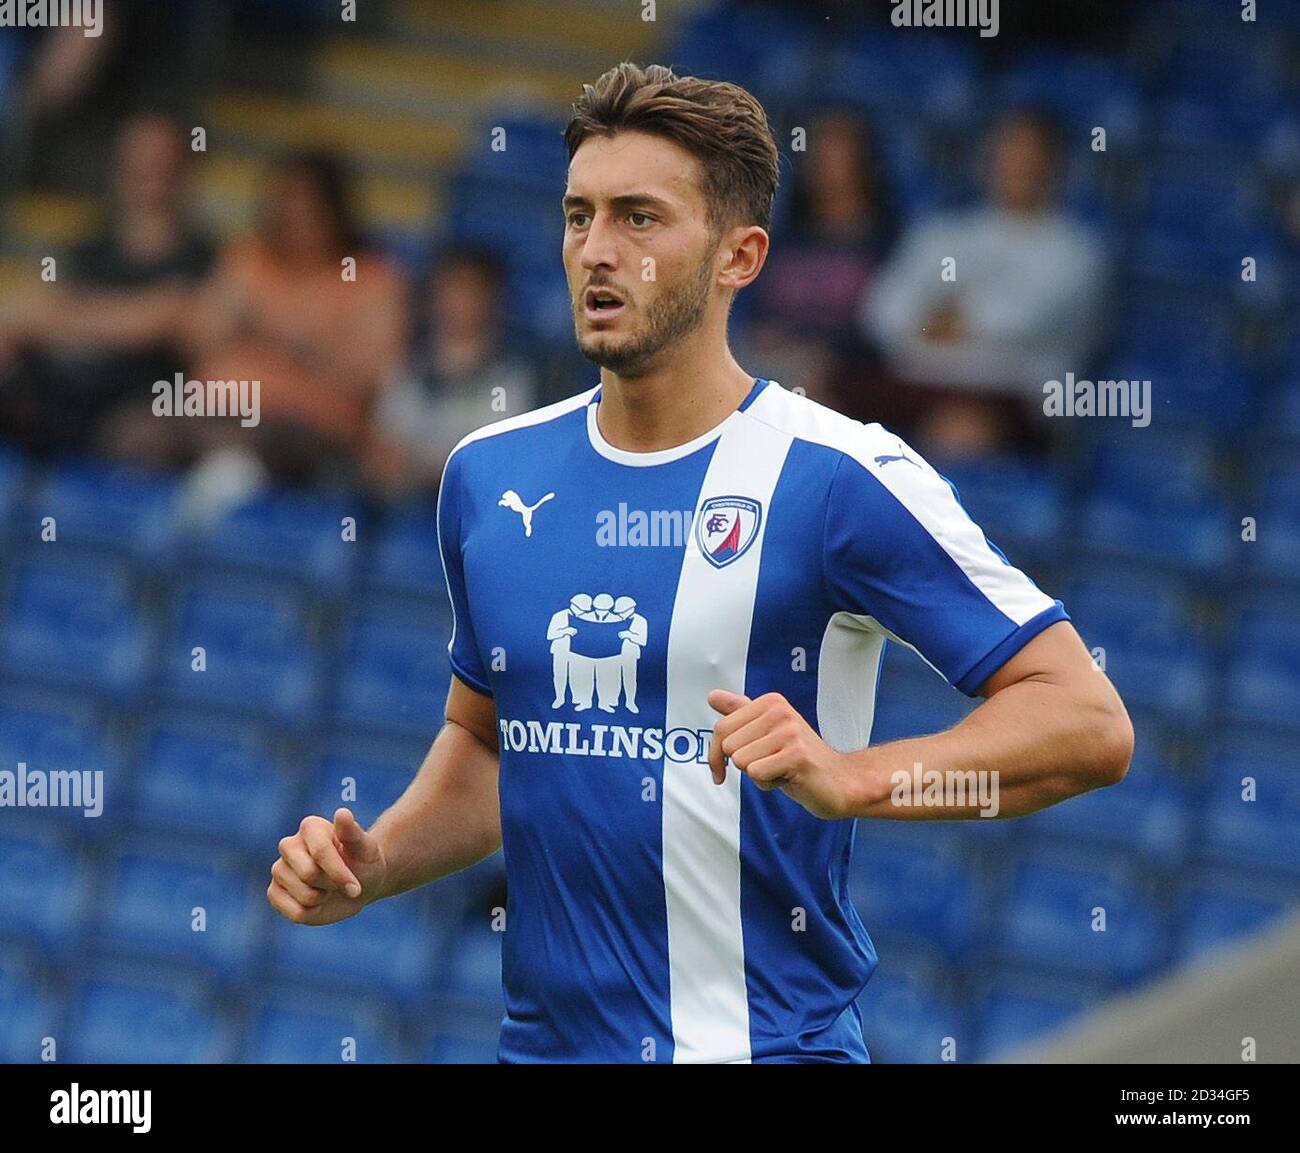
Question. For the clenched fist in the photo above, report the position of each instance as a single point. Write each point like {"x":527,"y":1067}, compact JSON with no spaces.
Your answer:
{"x":326,"y":872}
{"x":776,"y":748}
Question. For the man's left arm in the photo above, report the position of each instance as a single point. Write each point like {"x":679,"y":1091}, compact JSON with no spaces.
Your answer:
{"x":901,"y":555}
{"x":1051,"y":727}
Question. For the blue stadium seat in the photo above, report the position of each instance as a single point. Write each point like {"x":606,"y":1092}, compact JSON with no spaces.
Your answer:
{"x":1221,"y":910}
{"x":395,"y":670}
{"x":47,"y":890}
{"x":73,"y":621}
{"x":1017,"y":1009}
{"x":1049,"y":918}
{"x":906,"y":164}
{"x":1186,"y":123}
{"x":472,"y":975}
{"x":12,"y":477}
{"x":289,"y":534}
{"x":1192,"y":200}
{"x":531,"y":157}
{"x":908,"y":1015}
{"x":506,"y":218}
{"x":223,"y":784}
{"x":538,"y":301}
{"x":143,"y":1019}
{"x":1140,"y":603}
{"x":731,"y":39}
{"x":932,"y":895}
{"x":1081,"y":91}
{"x":1150,"y":811}
{"x":392,"y":946}
{"x":1164,"y":257}
{"x":152,"y":892}
{"x":261,"y":654}
{"x":29,"y":1012}
{"x":109,"y":507}
{"x":784,"y":74}
{"x":300,"y":1029}
{"x":378,"y":774}
{"x":449,"y":1048}
{"x":875,"y":70}
{"x":1274,"y":555}
{"x":1018,"y":504}
{"x":66,"y":736}
{"x":406,"y":557}
{"x":1213,"y":52}
{"x":1183,"y":342}
{"x":1263,"y":833}
{"x":1157,"y":503}
{"x":1263,"y":682}
{"x":1141,"y":630}
{"x":903,"y":711}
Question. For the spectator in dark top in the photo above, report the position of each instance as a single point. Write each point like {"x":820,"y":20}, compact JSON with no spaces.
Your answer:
{"x":99,"y":335}
{"x":462,"y":373}
{"x":838,"y":228}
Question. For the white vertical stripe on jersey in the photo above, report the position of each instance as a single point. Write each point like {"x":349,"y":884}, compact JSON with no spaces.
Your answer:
{"x":708,"y":646}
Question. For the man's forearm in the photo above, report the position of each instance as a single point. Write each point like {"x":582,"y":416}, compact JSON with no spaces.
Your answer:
{"x":129,"y":319}
{"x":1034,"y":742}
{"x":447,"y":819}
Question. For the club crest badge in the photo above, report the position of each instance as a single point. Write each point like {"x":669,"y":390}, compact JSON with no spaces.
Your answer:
{"x":726,"y":527}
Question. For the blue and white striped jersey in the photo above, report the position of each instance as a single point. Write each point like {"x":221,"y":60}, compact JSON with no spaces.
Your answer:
{"x":599,"y":595}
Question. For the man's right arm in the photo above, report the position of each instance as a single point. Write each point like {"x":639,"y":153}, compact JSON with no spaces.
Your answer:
{"x":448,"y":818}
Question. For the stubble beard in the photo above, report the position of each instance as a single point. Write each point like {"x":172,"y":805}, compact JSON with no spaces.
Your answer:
{"x":672,"y":317}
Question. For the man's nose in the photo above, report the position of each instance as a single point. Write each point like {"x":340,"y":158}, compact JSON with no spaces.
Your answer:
{"x":599,"y":245}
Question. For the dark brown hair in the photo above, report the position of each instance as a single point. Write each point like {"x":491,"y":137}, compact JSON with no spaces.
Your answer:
{"x":718,"y":123}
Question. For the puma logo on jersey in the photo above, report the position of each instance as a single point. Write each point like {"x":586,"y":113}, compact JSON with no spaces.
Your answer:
{"x":888,"y":458}
{"x":512,"y":500}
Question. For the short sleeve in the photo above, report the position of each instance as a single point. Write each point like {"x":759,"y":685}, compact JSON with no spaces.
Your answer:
{"x":462,"y":649}
{"x":901,"y":550}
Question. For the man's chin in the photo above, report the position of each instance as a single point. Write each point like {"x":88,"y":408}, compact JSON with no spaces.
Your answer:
{"x":616,"y":355}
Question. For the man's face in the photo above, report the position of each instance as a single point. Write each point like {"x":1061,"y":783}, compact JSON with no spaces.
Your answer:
{"x":636,"y":226}
{"x":1021,"y":173}
{"x":150,"y":159}
{"x":463,"y":301}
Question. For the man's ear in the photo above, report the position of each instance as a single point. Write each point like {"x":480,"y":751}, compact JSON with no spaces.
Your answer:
{"x":744,"y":252}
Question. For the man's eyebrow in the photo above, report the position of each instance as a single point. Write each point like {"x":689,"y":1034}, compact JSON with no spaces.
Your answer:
{"x":630,"y":200}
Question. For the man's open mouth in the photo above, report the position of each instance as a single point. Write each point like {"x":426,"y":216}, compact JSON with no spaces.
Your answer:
{"x":601,"y":302}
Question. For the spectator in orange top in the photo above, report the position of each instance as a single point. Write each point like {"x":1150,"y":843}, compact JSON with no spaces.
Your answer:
{"x":306,"y":311}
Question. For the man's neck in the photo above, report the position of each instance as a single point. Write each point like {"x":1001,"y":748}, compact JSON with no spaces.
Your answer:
{"x":150,"y":235}
{"x":670,"y":404}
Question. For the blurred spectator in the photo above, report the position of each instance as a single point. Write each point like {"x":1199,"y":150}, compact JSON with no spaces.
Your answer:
{"x":76,"y":88}
{"x":284,"y":308}
{"x":460,"y":375}
{"x":839,"y":226}
{"x":102,"y":333}
{"x":986,"y":305}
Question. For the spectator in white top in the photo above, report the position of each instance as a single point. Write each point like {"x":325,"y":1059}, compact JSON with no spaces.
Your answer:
{"x":982,"y":307}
